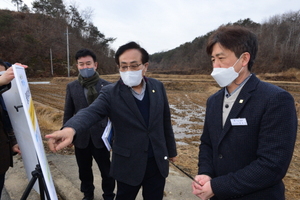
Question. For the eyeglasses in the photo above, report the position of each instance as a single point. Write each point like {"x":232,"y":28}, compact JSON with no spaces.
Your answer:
{"x":133,"y":67}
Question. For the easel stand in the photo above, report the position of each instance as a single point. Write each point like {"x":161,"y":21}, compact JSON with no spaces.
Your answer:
{"x":37,"y":174}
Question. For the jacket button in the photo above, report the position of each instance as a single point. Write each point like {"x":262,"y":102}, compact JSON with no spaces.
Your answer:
{"x":220,"y":156}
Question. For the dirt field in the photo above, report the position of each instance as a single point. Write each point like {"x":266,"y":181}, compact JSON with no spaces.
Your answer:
{"x":187,"y":97}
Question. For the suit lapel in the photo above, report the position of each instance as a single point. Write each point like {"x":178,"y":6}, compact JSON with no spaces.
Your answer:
{"x":82,"y":98}
{"x":218,"y":110}
{"x":99,"y":86}
{"x":128,"y":98}
{"x":239,"y":104}
{"x":153,"y":98}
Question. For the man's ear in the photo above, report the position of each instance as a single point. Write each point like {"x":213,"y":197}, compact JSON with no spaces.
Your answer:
{"x":146,"y":67}
{"x":245,"y":58}
{"x":96,"y":65}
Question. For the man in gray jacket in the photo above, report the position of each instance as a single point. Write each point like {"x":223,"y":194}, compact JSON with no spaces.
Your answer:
{"x":143,"y":135}
{"x":88,"y":144}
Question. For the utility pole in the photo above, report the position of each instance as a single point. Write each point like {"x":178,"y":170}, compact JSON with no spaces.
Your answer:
{"x":68,"y":51}
{"x":51,"y":61}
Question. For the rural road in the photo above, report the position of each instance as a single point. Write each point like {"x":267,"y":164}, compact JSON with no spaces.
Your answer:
{"x":65,"y":177}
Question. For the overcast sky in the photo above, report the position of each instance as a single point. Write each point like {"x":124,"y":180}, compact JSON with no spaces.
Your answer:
{"x":161,"y":25}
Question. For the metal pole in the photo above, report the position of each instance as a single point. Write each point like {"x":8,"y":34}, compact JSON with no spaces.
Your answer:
{"x":51,"y":61}
{"x":68,"y":52}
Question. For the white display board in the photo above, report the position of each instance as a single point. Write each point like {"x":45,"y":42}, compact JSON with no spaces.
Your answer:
{"x":23,"y":118}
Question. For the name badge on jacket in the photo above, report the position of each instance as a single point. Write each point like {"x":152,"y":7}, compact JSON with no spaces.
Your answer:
{"x":239,"y":122}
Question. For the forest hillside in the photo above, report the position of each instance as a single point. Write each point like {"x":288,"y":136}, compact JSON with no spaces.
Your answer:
{"x":278,"y":50}
{"x":47,"y":37}
{"x":52,"y":32}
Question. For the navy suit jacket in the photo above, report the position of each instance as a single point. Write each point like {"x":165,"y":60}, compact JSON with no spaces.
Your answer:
{"x":131,"y":134}
{"x":75,"y":101}
{"x":250,"y":161}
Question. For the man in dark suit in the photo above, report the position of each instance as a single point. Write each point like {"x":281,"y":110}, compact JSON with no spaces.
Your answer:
{"x":143,"y":136}
{"x":88,"y":144}
{"x":250,"y":126}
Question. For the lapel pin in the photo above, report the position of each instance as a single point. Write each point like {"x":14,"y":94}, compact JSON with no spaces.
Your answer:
{"x":153,"y":91}
{"x":241,"y":101}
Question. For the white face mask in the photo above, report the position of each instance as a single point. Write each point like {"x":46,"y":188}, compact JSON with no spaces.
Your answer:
{"x":225,"y":76}
{"x":132,"y":78}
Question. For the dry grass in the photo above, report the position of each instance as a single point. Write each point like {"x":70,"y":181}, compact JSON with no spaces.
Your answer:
{"x":49,"y":118}
{"x":187,"y":95}
{"x":292,"y":74}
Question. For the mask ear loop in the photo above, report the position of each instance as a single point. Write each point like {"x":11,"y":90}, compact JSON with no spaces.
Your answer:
{"x":240,"y":69}
{"x":237,"y":61}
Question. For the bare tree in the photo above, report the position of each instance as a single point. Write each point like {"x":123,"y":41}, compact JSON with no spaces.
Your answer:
{"x":17,"y":3}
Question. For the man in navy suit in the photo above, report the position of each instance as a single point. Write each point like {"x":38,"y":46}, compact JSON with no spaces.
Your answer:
{"x":88,"y":145}
{"x":143,"y":136}
{"x":250,"y":126}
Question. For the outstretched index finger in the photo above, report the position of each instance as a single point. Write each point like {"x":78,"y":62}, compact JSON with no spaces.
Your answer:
{"x":60,"y":139}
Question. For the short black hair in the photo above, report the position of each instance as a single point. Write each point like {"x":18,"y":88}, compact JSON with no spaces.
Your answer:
{"x":3,"y":63}
{"x":235,"y":38}
{"x":84,"y":53}
{"x":132,"y":45}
